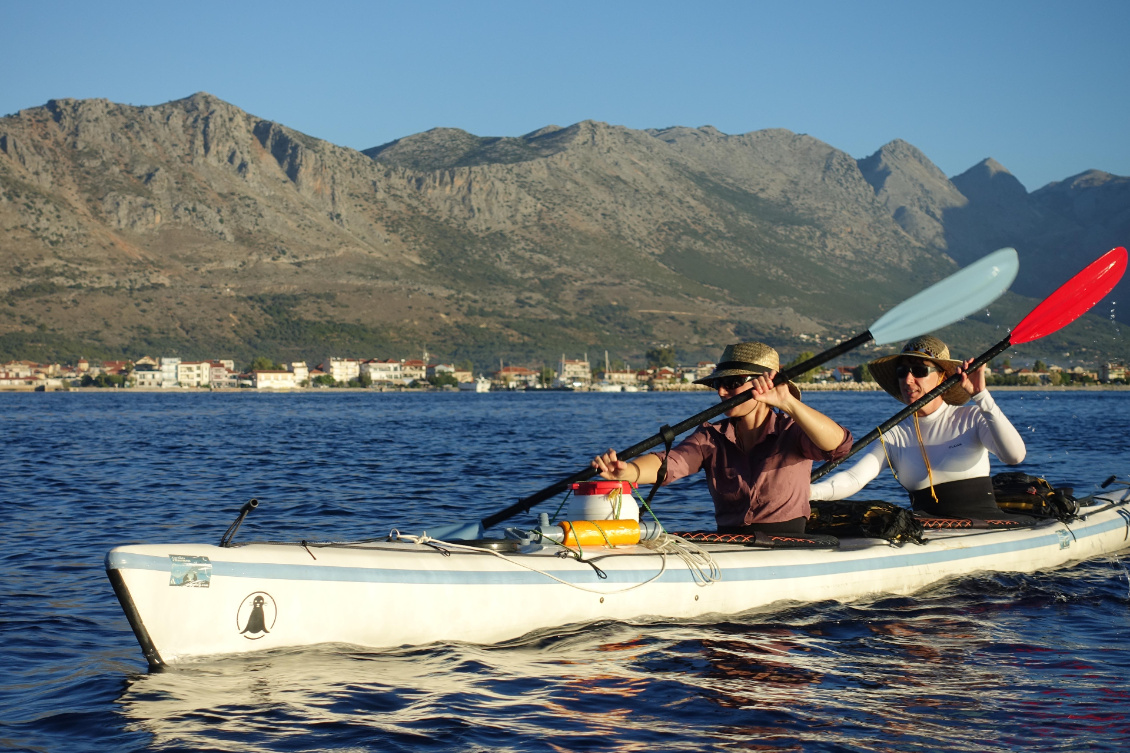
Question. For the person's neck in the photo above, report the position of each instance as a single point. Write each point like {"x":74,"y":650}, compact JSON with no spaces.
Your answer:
{"x":753,"y":423}
{"x":931,"y":407}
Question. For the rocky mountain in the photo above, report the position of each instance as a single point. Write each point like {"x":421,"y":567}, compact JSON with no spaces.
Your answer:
{"x":195,"y":228}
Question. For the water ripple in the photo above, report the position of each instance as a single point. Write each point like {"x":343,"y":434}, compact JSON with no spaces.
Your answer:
{"x":989,"y":663}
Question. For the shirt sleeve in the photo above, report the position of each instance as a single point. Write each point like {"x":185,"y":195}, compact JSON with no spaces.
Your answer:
{"x":996,"y":432}
{"x":846,"y":483}
{"x":810,"y":451}
{"x":689,"y":456}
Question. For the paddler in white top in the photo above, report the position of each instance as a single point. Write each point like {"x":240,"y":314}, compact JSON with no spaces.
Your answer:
{"x":940,"y":454}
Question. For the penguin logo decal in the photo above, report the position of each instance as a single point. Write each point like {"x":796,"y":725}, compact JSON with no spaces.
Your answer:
{"x":256,"y":615}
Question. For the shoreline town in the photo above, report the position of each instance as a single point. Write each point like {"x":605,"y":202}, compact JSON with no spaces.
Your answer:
{"x":165,"y":373}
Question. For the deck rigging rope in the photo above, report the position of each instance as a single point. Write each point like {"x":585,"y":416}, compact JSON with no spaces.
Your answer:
{"x":703,"y":568}
{"x":424,"y":539}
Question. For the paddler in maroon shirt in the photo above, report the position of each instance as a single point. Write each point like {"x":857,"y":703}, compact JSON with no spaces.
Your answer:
{"x":759,"y":458}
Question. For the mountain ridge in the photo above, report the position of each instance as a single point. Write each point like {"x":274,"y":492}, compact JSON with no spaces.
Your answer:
{"x":245,"y":235}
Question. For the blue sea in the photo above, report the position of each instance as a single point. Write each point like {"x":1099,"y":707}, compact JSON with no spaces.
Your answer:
{"x":1035,"y":662}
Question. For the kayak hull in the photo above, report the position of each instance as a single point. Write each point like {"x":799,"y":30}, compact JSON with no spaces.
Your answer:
{"x":186,"y":601}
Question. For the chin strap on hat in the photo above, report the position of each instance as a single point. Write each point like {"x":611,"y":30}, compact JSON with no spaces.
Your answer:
{"x":925,"y":459}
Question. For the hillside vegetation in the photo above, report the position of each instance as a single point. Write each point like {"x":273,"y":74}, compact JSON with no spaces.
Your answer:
{"x":196,"y":229}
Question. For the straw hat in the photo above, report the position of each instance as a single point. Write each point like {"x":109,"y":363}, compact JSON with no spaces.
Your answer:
{"x":742,"y":359}
{"x":925,"y":348}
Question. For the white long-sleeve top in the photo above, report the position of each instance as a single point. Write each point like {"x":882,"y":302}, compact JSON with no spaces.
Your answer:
{"x":958,"y":440}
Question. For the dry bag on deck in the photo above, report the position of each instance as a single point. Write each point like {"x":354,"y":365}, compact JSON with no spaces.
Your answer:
{"x":1032,"y":495}
{"x":864,"y":518}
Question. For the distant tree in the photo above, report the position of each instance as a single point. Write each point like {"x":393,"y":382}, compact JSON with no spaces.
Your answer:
{"x":662,"y":356}
{"x":365,"y":380}
{"x":325,"y":380}
{"x":103,"y":380}
{"x":262,"y":363}
{"x":862,"y":373}
{"x":1002,"y":379}
{"x":546,"y":377}
{"x":443,"y":379}
{"x":1039,"y":366}
{"x":806,"y":376}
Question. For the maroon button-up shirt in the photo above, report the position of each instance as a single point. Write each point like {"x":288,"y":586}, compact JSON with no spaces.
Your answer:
{"x":768,"y":484}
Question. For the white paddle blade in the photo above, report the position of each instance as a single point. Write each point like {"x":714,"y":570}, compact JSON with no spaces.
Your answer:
{"x":956,"y":297}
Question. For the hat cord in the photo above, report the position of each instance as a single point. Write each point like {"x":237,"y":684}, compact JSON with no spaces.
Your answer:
{"x":926,"y":460}
{"x":886,"y":454}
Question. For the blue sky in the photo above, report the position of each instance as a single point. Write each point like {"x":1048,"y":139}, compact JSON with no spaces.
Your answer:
{"x":1042,"y":87}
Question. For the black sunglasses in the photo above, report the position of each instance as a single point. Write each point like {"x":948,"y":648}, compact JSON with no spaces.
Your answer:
{"x":731,"y":383}
{"x":919,"y":370}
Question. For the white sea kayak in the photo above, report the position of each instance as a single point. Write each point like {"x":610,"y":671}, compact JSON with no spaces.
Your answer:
{"x":186,"y":601}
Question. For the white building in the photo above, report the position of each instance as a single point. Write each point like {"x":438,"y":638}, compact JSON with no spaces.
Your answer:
{"x":1110,"y":371}
{"x":342,"y":369}
{"x":623,"y":378}
{"x":223,"y":375}
{"x":574,"y":372}
{"x":413,"y":370}
{"x":194,"y":373}
{"x":273,"y":380}
{"x":169,"y":366}
{"x":300,"y":371}
{"x":148,"y":378}
{"x":388,"y":370}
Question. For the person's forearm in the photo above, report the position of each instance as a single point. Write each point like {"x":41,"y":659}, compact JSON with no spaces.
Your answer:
{"x":642,"y":470}
{"x":846,"y":483}
{"x":1002,"y":438}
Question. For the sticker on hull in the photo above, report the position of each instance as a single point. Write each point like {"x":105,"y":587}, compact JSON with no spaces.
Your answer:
{"x":1064,"y":538}
{"x":189,"y":571}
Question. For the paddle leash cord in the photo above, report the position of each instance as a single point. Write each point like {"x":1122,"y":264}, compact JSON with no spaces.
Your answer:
{"x":426,"y":540}
{"x":668,"y":435}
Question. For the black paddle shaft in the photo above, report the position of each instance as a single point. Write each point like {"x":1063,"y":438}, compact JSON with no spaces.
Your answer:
{"x":524,"y":505}
{"x":985,"y":357}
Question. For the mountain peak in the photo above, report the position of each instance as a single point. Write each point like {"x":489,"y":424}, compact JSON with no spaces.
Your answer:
{"x":913,"y":190}
{"x":988,"y":180}
{"x":1085,"y":179}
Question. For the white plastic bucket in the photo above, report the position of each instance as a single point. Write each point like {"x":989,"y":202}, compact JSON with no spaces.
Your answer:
{"x":603,"y":500}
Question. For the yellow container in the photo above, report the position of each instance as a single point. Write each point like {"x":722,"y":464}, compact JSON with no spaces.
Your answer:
{"x":600,"y":532}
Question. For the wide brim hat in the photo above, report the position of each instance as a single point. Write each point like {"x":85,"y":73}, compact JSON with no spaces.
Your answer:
{"x":925,"y":348}
{"x":745,"y":359}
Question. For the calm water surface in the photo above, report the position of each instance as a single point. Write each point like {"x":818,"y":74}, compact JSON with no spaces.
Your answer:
{"x":993,"y":663}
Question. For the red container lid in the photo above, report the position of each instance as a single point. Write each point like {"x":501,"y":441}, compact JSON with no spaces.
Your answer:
{"x":602,"y":487}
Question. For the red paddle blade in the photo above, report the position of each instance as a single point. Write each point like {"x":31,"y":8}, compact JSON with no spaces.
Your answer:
{"x":1073,"y":298}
